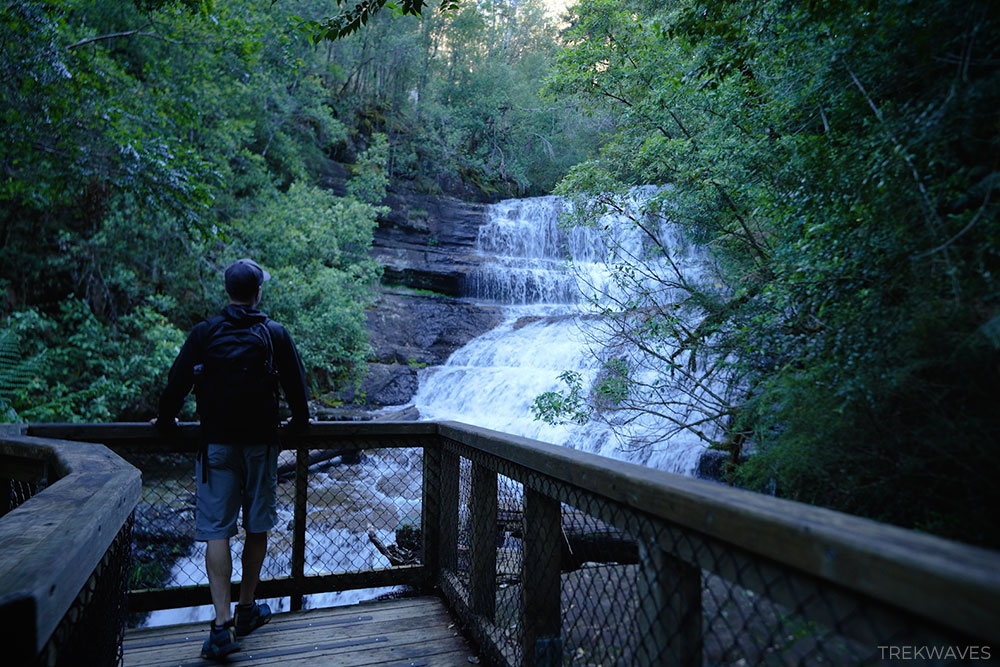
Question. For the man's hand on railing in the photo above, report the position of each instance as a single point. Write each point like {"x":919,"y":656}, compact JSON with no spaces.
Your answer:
{"x":165,"y":425}
{"x":295,"y":426}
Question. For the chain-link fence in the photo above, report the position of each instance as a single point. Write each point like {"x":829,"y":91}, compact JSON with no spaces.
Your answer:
{"x":18,"y":491}
{"x":353,"y":508}
{"x":548,"y":573}
{"x":91,"y":631}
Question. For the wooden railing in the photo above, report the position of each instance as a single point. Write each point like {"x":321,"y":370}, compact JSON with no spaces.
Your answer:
{"x":56,"y":548}
{"x":550,"y":555}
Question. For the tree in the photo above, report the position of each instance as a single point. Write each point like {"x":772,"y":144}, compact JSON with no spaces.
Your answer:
{"x":142,"y":146}
{"x":351,"y":19}
{"x":840,"y":170}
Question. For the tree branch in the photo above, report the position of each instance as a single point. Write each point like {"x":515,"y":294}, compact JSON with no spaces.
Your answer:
{"x":115,"y":35}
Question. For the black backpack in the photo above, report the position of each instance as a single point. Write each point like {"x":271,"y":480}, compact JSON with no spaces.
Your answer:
{"x":236,"y":383}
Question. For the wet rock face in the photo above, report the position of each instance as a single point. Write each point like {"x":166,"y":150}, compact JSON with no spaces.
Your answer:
{"x":428,"y":243}
{"x":426,"y":246}
{"x":410,"y":332}
{"x":419,"y":330}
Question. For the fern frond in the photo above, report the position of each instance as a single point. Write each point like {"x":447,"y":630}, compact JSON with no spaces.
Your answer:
{"x":16,"y":372}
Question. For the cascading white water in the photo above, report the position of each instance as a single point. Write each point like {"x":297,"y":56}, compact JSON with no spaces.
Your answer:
{"x":552,"y":281}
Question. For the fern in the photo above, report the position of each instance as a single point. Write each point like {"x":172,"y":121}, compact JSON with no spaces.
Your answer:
{"x":16,"y":372}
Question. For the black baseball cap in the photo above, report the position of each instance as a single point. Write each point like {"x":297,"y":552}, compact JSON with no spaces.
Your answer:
{"x":243,"y":277}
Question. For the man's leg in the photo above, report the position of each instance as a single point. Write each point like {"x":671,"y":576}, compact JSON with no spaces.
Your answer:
{"x":219,"y":564}
{"x":254,"y":551}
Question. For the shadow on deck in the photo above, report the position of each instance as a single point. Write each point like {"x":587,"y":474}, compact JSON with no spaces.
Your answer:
{"x":410,"y":631}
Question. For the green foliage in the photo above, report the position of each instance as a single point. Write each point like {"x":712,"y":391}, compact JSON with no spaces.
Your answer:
{"x":558,"y":408}
{"x":16,"y":372}
{"x":369,"y":178}
{"x":457,"y":98}
{"x":841,"y":172}
{"x":351,"y":19}
{"x":316,"y":246}
{"x":92,"y":371}
{"x":143,"y":148}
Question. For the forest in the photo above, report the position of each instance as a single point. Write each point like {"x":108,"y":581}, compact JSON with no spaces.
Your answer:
{"x":838,"y":160}
{"x":147,"y":145}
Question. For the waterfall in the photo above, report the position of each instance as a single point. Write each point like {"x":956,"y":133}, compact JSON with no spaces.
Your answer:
{"x":553,"y":283}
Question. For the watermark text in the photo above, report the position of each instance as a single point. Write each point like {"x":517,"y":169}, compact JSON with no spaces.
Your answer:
{"x":903,"y":652}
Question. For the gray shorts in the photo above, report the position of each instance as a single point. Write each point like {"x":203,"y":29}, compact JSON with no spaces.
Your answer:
{"x":238,"y":476}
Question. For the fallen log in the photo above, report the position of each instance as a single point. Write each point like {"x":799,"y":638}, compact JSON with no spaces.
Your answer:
{"x":396,"y":554}
{"x":589,"y":540}
{"x":585,"y":539}
{"x":318,"y":460}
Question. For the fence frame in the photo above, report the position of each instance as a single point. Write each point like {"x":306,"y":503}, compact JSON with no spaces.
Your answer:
{"x":949,"y":585}
{"x":52,"y":543}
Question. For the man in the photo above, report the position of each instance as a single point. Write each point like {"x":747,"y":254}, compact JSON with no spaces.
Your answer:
{"x":234,"y":362}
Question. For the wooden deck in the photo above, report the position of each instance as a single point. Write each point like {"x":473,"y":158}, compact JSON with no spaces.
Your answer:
{"x":411,"y":631}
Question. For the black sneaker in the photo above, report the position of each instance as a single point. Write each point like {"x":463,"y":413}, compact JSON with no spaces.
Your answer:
{"x":250,"y":618}
{"x":221,"y":641}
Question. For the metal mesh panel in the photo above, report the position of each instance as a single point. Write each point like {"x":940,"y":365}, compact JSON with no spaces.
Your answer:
{"x":637,"y":590}
{"x":353,"y":509}
{"x":18,"y":492}
{"x":164,"y":521}
{"x":92,"y":629}
{"x":361,"y":512}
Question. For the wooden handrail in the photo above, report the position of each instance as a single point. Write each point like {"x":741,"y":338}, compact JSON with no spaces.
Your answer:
{"x":52,"y":543}
{"x":952,"y":584}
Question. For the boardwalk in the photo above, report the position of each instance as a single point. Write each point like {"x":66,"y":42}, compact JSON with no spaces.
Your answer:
{"x":413,"y":631}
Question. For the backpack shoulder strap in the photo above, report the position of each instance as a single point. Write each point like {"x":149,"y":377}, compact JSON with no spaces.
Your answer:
{"x":266,"y":334}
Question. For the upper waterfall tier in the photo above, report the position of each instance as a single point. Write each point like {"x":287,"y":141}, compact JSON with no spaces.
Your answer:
{"x":527,"y":254}
{"x":530,"y":257}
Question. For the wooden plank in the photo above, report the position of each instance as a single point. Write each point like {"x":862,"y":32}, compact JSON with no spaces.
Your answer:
{"x":953,"y":584}
{"x":359,"y":650}
{"x":448,"y":494}
{"x":365,"y":610}
{"x":430,"y":515}
{"x":541,"y":617}
{"x":319,"y":436}
{"x":482,"y":547}
{"x":409,"y":651}
{"x":14,"y":430}
{"x":384,"y":632}
{"x":52,"y":542}
{"x":291,"y":636}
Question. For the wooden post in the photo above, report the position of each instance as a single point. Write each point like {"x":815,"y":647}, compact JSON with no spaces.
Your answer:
{"x":483,"y":519}
{"x":430,"y":515}
{"x":299,"y":522}
{"x":669,"y":614}
{"x":448,"y":535}
{"x":439,"y":514}
{"x":541,"y":620}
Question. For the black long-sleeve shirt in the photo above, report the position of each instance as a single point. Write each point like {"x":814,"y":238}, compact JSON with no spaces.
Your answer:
{"x":291,"y":376}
